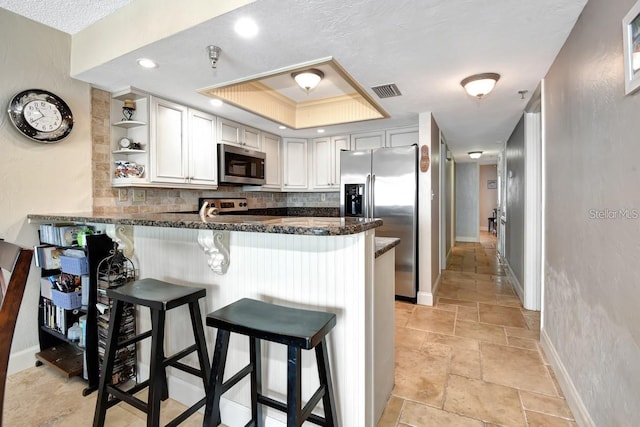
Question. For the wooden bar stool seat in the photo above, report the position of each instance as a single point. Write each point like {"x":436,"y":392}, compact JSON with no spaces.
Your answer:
{"x":159,"y":297}
{"x":297,"y":329}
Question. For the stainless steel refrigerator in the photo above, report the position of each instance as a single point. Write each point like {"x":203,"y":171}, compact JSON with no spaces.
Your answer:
{"x":383,"y":183}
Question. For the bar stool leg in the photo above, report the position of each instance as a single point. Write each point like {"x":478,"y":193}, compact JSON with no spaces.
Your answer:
{"x":157,"y":376}
{"x":201,"y":343}
{"x":107,"y":364}
{"x":294,"y":372}
{"x":214,"y":392}
{"x":256,"y":381}
{"x":324,"y":372}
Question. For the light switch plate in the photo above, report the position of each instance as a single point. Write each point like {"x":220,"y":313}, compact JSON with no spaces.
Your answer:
{"x":139,"y":195}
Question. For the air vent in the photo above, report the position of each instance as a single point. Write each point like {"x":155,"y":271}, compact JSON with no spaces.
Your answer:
{"x":387,"y":91}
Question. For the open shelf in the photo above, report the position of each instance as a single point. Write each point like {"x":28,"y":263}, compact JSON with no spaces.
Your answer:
{"x":129,"y":151}
{"x":128,"y":124}
{"x":65,"y":358}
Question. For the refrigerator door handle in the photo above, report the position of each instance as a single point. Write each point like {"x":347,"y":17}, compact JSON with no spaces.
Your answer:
{"x":367,"y":193}
{"x":372,"y":200}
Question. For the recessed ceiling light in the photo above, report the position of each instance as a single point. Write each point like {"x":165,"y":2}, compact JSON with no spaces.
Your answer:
{"x":320,"y":131}
{"x":246,"y":27}
{"x":282,"y":127}
{"x":147,"y":63}
{"x":216,"y":102}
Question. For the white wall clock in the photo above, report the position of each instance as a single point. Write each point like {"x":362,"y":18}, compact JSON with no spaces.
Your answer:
{"x":40,"y":115}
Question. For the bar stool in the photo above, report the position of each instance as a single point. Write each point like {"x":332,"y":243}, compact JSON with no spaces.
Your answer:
{"x":295,"y":328}
{"x":160,"y":297}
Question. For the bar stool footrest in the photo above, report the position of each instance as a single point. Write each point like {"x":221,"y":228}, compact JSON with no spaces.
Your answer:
{"x":187,"y":413}
{"x":312,"y":418}
{"x":237,"y":377}
{"x":124,"y":396}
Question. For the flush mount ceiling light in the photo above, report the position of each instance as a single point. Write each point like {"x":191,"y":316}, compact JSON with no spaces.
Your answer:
{"x":214,"y":54}
{"x":480,"y":85}
{"x":475,"y":154}
{"x":146,"y":63}
{"x":246,"y":27}
{"x":308,"y":79}
{"x":216,"y":102}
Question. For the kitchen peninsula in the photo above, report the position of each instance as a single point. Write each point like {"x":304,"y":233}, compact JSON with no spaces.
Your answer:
{"x":318,"y":263}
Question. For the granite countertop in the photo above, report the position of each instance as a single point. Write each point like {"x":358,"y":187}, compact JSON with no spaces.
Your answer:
{"x":384,"y":244}
{"x":317,"y":226}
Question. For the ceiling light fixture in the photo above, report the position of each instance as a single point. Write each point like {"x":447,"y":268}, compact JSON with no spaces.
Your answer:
{"x":216,"y":102}
{"x":146,"y":63}
{"x":475,"y":154}
{"x":214,"y":54}
{"x":282,"y":127}
{"x":308,"y":79}
{"x":480,"y":85}
{"x":320,"y":131}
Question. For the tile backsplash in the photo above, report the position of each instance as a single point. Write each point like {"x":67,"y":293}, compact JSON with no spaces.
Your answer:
{"x":120,"y":200}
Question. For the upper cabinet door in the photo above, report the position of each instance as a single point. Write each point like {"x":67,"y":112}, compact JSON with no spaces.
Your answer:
{"x":272,"y":173}
{"x":252,"y":138}
{"x":402,"y":137}
{"x":295,"y":164}
{"x":321,"y":164}
{"x":230,"y":132}
{"x":203,"y":153}
{"x":367,"y":141}
{"x":168,"y":142}
{"x":338,"y":143}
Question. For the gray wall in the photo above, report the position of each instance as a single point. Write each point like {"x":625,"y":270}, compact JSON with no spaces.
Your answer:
{"x":435,"y":205}
{"x":592,"y":278}
{"x":514,"y":201}
{"x":467,"y":204}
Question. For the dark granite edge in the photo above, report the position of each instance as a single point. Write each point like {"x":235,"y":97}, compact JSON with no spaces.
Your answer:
{"x":254,"y":227}
{"x":385,"y":244}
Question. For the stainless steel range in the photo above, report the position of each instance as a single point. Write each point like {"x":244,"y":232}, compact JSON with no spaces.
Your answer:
{"x":211,"y":206}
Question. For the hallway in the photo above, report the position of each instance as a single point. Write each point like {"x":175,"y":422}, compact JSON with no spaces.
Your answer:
{"x":473,"y":359}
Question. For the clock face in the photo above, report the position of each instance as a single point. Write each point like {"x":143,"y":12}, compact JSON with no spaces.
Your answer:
{"x":40,"y":115}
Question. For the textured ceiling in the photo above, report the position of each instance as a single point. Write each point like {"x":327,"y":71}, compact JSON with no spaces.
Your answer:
{"x":69,"y":16}
{"x":425,"y":46}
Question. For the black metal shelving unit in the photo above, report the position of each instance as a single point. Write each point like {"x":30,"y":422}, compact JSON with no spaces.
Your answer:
{"x":56,"y":350}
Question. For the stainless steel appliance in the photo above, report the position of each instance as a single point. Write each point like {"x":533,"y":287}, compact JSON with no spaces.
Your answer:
{"x":222,"y":206}
{"x":383,"y":183}
{"x":240,"y":166}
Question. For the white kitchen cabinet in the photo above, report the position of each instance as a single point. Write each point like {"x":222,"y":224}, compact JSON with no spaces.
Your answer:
{"x":367,"y":141}
{"x":402,"y":137}
{"x":203,"y":153}
{"x":325,"y":162}
{"x":273,"y":171}
{"x":183,"y":149}
{"x":295,"y":164}
{"x":230,"y":132}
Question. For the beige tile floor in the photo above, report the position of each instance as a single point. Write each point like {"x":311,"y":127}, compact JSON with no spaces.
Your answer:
{"x":471,"y":360}
{"x":474,"y":358}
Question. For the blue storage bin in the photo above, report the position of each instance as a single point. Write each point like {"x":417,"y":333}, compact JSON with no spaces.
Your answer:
{"x":72,"y":265}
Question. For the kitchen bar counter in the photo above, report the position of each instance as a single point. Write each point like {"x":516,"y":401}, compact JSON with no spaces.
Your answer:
{"x":317,"y":263}
{"x":316,"y":226}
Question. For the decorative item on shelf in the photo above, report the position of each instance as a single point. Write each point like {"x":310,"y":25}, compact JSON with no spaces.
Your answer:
{"x":115,"y":270}
{"x":126,"y":169}
{"x":128,"y":109}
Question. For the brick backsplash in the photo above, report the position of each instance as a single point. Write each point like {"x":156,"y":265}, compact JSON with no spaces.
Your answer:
{"x":106,"y":199}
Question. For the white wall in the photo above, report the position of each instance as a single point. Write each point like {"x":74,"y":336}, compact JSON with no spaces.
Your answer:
{"x":39,"y":177}
{"x":591,"y":316}
{"x":466,"y":200}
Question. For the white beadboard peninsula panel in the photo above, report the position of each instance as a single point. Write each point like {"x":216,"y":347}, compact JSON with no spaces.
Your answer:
{"x":313,"y":272}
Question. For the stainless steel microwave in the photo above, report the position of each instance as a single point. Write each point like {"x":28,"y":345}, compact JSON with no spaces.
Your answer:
{"x":239,"y":165}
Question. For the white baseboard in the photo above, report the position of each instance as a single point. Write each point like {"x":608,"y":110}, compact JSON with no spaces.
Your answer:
{"x":517,"y":285}
{"x":428,"y":298}
{"x":579,"y":410}
{"x":467,"y":239}
{"x":21,"y":360}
